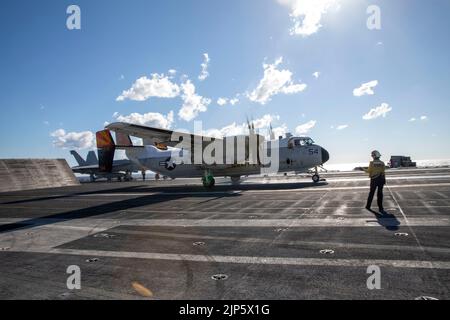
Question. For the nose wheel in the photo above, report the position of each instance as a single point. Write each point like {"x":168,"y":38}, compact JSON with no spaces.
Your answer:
{"x":316,"y":177}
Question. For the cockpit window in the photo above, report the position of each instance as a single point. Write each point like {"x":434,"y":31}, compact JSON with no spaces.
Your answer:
{"x":301,"y":142}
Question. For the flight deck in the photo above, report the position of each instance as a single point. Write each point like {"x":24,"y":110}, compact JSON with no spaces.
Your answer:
{"x":280,"y":237}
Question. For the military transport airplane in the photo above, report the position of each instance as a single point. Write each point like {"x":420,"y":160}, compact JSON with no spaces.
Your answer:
{"x":181,"y":155}
{"x":121,"y":169}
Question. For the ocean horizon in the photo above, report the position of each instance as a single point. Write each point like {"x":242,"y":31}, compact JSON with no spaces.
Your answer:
{"x":420,"y":164}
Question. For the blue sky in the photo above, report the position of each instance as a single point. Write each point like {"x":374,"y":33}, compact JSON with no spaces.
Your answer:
{"x":53,"y":78}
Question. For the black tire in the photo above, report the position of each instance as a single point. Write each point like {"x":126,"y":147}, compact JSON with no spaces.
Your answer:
{"x":315,"y":178}
{"x":209,"y":185}
{"x":236,"y":180}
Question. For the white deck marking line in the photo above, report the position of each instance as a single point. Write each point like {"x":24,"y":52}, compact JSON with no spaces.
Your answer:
{"x":249,"y":260}
{"x":318,"y":188}
{"x":312,"y":189}
{"x":306,"y":222}
{"x":299,"y":243}
{"x":411,"y":177}
{"x":232,"y":208}
{"x":405,"y":218}
{"x":433,"y":266}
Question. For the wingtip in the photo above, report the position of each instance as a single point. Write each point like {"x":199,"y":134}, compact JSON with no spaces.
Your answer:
{"x":115,"y":125}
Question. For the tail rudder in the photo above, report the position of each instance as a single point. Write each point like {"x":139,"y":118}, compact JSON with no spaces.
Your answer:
{"x":78,"y":158}
{"x":106,"y":148}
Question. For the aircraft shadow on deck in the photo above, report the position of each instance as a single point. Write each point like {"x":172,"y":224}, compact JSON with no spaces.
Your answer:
{"x":168,"y":193}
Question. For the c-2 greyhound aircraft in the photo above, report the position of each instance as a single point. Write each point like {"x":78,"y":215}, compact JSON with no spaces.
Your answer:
{"x":183,"y":155}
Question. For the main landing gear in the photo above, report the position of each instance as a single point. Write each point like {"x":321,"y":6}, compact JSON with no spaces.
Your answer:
{"x":208,"y":179}
{"x":128,"y":176}
{"x":235,"y":180}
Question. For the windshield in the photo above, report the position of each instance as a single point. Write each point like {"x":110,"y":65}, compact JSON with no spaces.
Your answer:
{"x":303,"y":141}
{"x":300,"y":142}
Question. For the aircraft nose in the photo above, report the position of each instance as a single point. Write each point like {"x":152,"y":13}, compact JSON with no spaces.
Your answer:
{"x":325,"y":156}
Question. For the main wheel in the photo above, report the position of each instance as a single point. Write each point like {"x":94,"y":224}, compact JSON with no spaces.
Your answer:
{"x":315,"y":178}
{"x":208,"y":181}
{"x":235,"y":180}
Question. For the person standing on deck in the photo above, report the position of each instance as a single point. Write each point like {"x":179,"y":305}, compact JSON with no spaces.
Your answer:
{"x":377,"y":176}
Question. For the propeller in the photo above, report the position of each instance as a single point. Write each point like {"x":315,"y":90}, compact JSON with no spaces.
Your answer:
{"x":271,"y":133}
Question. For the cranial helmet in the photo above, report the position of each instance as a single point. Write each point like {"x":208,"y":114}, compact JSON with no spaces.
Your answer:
{"x":376,"y":154}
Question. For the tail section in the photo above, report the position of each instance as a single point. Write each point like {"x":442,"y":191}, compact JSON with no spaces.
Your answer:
{"x":78,"y":158}
{"x":91,"y":158}
{"x":106,"y":148}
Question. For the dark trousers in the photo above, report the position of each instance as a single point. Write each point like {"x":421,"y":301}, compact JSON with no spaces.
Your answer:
{"x":377,"y":183}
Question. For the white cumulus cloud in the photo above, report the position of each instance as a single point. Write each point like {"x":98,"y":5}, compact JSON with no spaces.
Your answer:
{"x":342,"y":127}
{"x":305,"y":128}
{"x":380,"y":111}
{"x":193,"y":104}
{"x":307,"y":14}
{"x":422,"y":118}
{"x":280,"y":131}
{"x":274,"y":82}
{"x":365,"y":89}
{"x":159,"y":85}
{"x":234,"y":101}
{"x":222,"y":101}
{"x":316,"y":74}
{"x":204,"y":74}
{"x":73,"y":140}
{"x":151,"y":119}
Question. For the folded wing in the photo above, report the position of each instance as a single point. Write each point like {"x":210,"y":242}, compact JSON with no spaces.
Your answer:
{"x":156,"y":136}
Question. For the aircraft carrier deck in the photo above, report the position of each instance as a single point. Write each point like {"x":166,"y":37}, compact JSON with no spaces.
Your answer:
{"x":264,"y":239}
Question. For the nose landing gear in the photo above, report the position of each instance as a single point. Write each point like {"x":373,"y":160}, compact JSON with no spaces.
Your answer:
{"x":316,"y":177}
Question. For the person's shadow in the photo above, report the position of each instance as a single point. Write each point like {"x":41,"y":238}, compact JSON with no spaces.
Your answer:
{"x":387,"y":220}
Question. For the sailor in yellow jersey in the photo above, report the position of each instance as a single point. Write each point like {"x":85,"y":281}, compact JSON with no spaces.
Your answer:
{"x":377,"y":176}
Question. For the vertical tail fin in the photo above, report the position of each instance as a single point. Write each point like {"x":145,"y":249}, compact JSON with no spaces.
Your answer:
{"x":78,"y":158}
{"x":106,"y":148}
{"x":91,"y":158}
